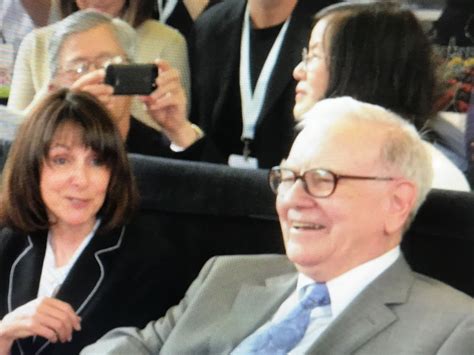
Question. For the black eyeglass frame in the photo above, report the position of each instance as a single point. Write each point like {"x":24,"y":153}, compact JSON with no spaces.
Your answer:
{"x":302,"y":177}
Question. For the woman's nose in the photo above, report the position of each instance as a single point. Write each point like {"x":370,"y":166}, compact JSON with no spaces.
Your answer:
{"x":80,"y":175}
{"x":299,"y":73}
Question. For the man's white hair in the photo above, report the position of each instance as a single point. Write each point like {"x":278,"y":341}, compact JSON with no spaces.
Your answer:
{"x":403,"y":149}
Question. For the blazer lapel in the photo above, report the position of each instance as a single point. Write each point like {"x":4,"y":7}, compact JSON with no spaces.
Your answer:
{"x":368,"y":314}
{"x":228,"y":36}
{"x":253,"y":306}
{"x":87,"y":275}
{"x":90,"y":270}
{"x":24,"y":278}
{"x":25,"y":272}
{"x":295,"y":40}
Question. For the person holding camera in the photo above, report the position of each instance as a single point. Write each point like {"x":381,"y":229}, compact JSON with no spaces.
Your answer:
{"x":83,"y":45}
{"x":153,"y":39}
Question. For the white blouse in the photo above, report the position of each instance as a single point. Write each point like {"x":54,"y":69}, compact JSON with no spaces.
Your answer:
{"x":53,"y":277}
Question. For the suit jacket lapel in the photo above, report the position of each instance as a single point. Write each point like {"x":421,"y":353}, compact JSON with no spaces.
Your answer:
{"x":25,"y":276}
{"x":86,"y":276}
{"x":253,"y":306}
{"x":368,"y":314}
{"x":26,"y":271}
{"x":289,"y":57}
{"x":90,"y":270}
{"x":228,"y":36}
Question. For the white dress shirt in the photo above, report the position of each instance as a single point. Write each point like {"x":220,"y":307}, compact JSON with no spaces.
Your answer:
{"x":342,"y":291}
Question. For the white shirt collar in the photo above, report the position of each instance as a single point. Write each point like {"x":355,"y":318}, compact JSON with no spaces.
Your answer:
{"x":344,"y":288}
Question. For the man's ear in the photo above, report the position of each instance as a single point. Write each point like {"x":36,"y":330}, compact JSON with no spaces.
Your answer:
{"x":402,"y":201}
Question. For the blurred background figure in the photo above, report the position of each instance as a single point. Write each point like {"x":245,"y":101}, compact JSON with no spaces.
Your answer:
{"x":67,"y":193}
{"x":242,"y":54}
{"x":15,"y":24}
{"x":83,"y":44}
{"x":453,"y":36}
{"x":9,"y":122}
{"x":154,"y":40}
{"x":180,"y":14}
{"x":376,"y":53}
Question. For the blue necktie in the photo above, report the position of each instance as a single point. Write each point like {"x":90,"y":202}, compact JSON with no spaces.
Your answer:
{"x":281,"y":337}
{"x":469,"y":137}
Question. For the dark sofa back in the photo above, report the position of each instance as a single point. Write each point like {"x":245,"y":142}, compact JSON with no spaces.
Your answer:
{"x":205,"y":209}
{"x":210,"y":209}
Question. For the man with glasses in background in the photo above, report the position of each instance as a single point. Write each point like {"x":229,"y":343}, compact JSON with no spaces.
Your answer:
{"x":344,"y":287}
{"x":83,"y":45}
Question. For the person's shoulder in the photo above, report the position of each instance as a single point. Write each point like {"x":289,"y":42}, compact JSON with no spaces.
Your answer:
{"x":437,"y":295}
{"x":219,"y":14}
{"x":38,"y":38}
{"x":446,"y":175}
{"x":159,"y":31}
{"x":264,"y":265}
{"x":42,"y":33}
{"x":10,"y":238}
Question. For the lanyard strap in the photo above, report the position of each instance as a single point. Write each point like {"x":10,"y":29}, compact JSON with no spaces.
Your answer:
{"x":167,"y":9}
{"x":252,"y":103}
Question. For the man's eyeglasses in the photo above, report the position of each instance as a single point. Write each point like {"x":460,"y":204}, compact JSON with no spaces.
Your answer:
{"x":82,"y":67}
{"x":316,"y":182}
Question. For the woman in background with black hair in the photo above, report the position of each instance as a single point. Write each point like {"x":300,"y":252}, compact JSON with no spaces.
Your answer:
{"x":376,"y":53}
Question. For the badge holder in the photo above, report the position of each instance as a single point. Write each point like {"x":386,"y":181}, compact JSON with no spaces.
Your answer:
{"x":244,"y":161}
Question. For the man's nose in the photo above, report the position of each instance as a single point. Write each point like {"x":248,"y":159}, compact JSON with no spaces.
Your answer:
{"x":296,"y":194}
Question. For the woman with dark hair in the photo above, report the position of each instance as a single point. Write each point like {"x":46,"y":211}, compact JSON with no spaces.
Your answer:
{"x":376,"y":53}
{"x":154,"y":40}
{"x":70,"y":269}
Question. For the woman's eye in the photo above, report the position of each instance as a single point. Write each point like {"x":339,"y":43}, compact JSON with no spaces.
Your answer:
{"x":97,"y":161}
{"x":59,"y":160}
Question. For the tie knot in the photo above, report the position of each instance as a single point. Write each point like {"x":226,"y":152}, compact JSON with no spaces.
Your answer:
{"x":316,"y":295}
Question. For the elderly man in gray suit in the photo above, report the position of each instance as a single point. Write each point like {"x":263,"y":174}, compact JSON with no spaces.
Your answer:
{"x":352,"y":183}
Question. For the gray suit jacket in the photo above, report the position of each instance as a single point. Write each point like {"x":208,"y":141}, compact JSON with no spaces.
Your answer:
{"x":400,"y":312}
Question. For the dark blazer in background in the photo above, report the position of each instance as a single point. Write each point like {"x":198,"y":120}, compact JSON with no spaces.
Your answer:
{"x":121,"y":278}
{"x":215,"y":60}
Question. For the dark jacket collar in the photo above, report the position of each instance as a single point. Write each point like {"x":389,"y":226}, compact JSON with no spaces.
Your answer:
{"x":80,"y":286}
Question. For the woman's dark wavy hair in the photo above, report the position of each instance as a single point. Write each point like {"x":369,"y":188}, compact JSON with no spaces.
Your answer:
{"x":21,"y":205}
{"x":379,"y":53}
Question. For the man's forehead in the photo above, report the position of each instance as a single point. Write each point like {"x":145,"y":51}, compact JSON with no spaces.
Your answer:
{"x":335,"y":145}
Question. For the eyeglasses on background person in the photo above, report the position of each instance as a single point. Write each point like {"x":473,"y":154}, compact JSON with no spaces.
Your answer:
{"x":307,"y":58}
{"x":81,"y":67}
{"x":317,"y":182}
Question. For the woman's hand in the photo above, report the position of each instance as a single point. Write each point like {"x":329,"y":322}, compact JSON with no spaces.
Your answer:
{"x":47,"y":317}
